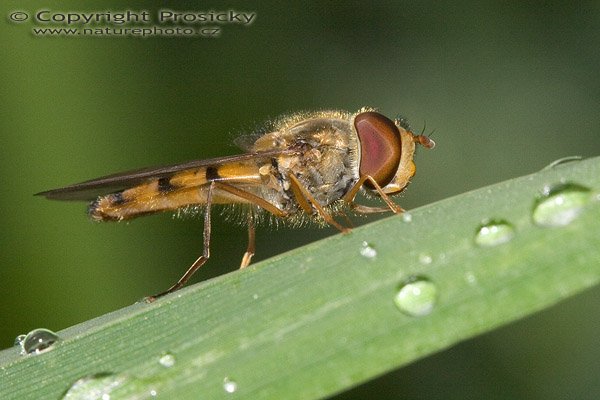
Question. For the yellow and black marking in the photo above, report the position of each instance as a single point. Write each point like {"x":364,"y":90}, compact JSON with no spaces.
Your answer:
{"x":182,"y":189}
{"x":212,"y":174}
{"x":165,"y":186}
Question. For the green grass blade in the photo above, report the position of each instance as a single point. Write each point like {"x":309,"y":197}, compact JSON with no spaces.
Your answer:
{"x":320,"y":319}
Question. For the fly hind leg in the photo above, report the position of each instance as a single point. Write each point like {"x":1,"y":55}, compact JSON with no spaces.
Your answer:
{"x":248,"y":198}
{"x":200,"y":261}
{"x":247,"y":258}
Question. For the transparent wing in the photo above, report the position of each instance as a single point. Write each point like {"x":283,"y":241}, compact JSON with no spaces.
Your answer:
{"x":89,"y":190}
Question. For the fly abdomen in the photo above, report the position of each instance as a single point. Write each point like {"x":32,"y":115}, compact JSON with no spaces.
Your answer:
{"x":155,"y":196}
{"x":172,"y":193}
{"x":97,"y":207}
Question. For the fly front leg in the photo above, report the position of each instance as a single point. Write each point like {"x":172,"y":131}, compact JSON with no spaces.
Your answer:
{"x":349,"y":198}
{"x":361,"y":209}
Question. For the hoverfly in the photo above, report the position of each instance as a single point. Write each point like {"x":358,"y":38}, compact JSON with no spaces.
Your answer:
{"x":307,"y":166}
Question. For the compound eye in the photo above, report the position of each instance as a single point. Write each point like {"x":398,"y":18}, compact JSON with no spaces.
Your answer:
{"x":380,"y":147}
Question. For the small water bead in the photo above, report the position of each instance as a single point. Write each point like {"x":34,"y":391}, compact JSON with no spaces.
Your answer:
{"x":494,"y":232}
{"x":470,"y":278}
{"x":416,"y":297}
{"x":229,"y":385}
{"x":19,"y":341}
{"x":167,"y":360}
{"x":425,"y":259}
{"x":407,"y":217}
{"x":560,"y":204}
{"x":36,"y":341}
{"x":368,"y":251}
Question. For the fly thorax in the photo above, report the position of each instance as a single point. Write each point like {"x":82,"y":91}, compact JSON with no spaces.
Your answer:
{"x":324,"y":172}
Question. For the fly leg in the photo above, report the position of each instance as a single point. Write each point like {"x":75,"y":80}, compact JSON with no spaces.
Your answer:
{"x":242,"y":194}
{"x":251,"y":236}
{"x":205,"y":251}
{"x":349,"y":198}
{"x":305,"y":200}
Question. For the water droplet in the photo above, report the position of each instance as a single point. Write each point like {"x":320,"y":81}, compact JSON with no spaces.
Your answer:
{"x":470,"y":278}
{"x":563,"y":160}
{"x":416,"y":297}
{"x":425,"y":259}
{"x":167,"y":360}
{"x":407,"y":217}
{"x":19,"y":341}
{"x":559,"y":205}
{"x":99,"y":386}
{"x":368,"y":251}
{"x":37,"y":341}
{"x":230,"y":386}
{"x":107,"y":386}
{"x":494,"y":232}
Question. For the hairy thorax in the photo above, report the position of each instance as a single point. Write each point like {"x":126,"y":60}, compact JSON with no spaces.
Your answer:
{"x":325,"y":162}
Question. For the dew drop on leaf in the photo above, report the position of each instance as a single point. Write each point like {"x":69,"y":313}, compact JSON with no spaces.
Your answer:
{"x":494,"y":232}
{"x":560,"y":204}
{"x":229,"y":385}
{"x":416,"y":297}
{"x":167,"y":360}
{"x":368,"y":251}
{"x":36,"y":341}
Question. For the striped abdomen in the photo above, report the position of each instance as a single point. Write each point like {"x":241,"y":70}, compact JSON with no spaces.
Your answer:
{"x":182,"y":189}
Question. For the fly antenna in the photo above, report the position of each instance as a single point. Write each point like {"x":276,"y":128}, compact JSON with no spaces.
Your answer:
{"x":425,"y":140}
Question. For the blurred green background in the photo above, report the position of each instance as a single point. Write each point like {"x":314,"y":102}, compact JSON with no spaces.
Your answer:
{"x":508,"y":87}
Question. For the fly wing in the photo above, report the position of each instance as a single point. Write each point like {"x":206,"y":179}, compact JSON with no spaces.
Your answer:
{"x":90,"y":190}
